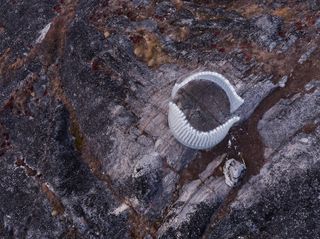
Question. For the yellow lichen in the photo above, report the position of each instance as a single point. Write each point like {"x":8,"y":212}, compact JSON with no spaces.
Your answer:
{"x":79,"y":141}
{"x":149,"y":49}
{"x":284,"y":12}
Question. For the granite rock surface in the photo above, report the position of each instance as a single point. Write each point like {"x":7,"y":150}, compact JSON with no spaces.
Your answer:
{"x":85,"y":148}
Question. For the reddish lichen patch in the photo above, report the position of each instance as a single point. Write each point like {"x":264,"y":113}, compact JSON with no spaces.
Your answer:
{"x":311,"y":20}
{"x":57,"y":8}
{"x":127,"y":8}
{"x":309,"y":128}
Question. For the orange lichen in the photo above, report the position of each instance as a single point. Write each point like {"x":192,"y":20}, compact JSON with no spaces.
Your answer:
{"x":177,"y":3}
{"x":250,"y":10}
{"x":179,"y":34}
{"x":17,"y":64}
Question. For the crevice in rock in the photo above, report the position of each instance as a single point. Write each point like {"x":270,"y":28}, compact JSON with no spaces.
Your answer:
{"x":53,"y":50}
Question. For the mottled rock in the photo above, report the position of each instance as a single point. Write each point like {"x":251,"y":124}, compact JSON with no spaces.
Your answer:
{"x":268,"y":28}
{"x":288,"y":116}
{"x":307,"y":54}
{"x":85,"y":147}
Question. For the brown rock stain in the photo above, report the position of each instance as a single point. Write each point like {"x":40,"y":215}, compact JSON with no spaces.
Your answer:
{"x":53,"y":48}
{"x":30,"y":172}
{"x":177,"y":3}
{"x":57,"y":206}
{"x":18,"y":100}
{"x":4,"y":57}
{"x":252,"y":10}
{"x":284,"y":12}
{"x":53,"y":45}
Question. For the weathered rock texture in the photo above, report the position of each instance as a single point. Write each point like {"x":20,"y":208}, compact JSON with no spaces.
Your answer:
{"x":85,"y":149}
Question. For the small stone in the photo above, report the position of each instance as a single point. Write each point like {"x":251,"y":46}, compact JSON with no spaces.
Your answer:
{"x":306,"y":55}
{"x":283,"y":81}
{"x":106,"y":34}
{"x":304,"y":140}
{"x":54,"y":213}
{"x":233,"y":170}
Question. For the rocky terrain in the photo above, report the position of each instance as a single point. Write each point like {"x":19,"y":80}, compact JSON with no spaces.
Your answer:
{"x":85,"y":147}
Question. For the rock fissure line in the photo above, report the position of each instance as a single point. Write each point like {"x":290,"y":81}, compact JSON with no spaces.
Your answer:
{"x":53,"y":45}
